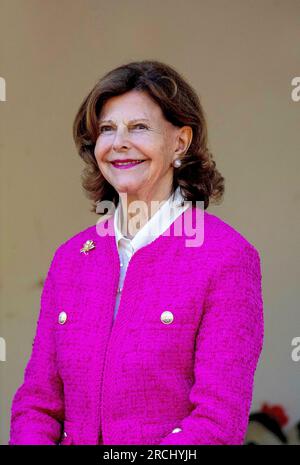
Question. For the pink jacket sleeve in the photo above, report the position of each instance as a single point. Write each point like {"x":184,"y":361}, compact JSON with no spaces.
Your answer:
{"x":228,"y":347}
{"x":38,"y":406}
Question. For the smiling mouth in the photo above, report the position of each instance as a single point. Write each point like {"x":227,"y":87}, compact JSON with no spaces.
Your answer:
{"x":127,"y":164}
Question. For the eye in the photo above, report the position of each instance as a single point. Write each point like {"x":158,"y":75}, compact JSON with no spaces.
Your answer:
{"x":103,"y":127}
{"x":140,"y":124}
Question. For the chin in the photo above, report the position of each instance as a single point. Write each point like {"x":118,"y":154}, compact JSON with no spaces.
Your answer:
{"x":129,"y":189}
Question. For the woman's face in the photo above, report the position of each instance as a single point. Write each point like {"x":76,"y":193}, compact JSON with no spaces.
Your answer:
{"x":132,"y":127}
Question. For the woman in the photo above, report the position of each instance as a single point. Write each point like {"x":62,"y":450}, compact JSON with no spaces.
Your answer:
{"x":145,"y":336}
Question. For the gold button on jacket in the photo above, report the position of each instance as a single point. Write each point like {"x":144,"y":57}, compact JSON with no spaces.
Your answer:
{"x":62,"y":318}
{"x":167,"y":317}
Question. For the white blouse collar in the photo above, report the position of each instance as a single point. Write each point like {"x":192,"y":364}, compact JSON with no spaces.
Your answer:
{"x":158,"y":223}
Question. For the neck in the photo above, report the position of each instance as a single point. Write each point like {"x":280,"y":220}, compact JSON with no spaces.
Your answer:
{"x":138,"y":210}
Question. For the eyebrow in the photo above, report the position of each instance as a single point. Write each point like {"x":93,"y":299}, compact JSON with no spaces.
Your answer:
{"x":132,"y":121}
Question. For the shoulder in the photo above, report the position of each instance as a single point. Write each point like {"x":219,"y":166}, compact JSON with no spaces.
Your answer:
{"x":69,"y":250}
{"x":232,"y":252}
{"x":223,"y":236}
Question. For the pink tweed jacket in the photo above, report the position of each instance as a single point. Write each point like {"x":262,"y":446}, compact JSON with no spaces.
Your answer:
{"x":145,"y":379}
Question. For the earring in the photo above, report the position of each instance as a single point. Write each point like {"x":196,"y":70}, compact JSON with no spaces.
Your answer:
{"x":177,"y":163}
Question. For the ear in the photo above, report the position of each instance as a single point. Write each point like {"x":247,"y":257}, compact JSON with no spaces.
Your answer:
{"x":183,"y":141}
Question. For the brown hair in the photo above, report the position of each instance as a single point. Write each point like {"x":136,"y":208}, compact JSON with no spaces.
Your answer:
{"x":197,"y":176}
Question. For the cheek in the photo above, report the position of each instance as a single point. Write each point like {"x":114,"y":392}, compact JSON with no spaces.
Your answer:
{"x":100,"y":150}
{"x":162,"y":160}
{"x":99,"y":156}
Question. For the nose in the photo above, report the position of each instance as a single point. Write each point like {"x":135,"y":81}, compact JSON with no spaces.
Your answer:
{"x":121,"y":140}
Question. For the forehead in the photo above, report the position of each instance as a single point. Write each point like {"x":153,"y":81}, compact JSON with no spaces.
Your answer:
{"x":131,"y":105}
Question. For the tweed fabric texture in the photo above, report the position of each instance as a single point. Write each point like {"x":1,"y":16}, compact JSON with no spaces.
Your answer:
{"x":134,"y":379}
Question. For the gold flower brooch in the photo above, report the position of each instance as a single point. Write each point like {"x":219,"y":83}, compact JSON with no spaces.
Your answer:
{"x":87,"y":246}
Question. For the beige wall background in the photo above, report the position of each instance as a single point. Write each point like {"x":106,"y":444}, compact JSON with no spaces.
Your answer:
{"x":240,"y":55}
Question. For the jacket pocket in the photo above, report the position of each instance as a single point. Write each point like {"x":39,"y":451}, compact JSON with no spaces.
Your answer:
{"x":153,"y":432}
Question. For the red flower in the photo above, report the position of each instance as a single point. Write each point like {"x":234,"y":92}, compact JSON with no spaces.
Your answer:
{"x":277,"y":412}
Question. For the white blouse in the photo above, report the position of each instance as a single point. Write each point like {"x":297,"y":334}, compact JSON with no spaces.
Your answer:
{"x":157,"y":225}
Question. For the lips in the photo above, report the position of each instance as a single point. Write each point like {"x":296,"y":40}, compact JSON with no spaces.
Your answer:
{"x":127,"y":164}
{"x":120,"y":162}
